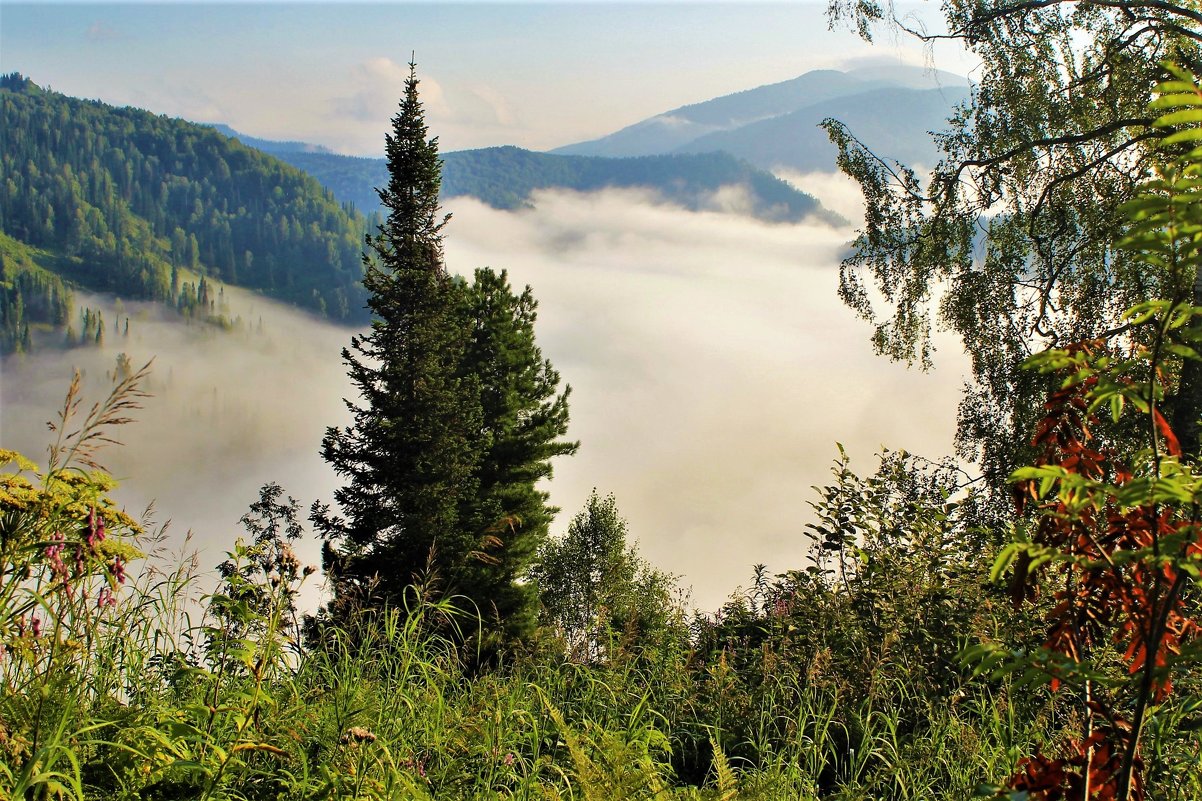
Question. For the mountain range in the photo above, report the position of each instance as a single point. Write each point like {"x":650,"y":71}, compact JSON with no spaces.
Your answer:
{"x":122,"y":200}
{"x":776,"y":126}
{"x":687,"y":154}
{"x":507,"y":178}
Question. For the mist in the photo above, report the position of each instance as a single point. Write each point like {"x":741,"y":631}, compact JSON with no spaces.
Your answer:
{"x":713,"y":371}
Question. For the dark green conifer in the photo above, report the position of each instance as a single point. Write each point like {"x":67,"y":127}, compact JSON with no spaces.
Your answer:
{"x":524,"y":422}
{"x":458,"y":418}
{"x":411,"y":454}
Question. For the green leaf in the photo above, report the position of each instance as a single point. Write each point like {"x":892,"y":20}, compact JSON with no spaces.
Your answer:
{"x":1185,"y":116}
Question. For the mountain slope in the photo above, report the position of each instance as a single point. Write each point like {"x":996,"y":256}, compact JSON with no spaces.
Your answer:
{"x":32,"y":295}
{"x":269,"y":145}
{"x":506,"y":177}
{"x":125,"y":201}
{"x":669,"y":131}
{"x":892,"y":122}
{"x":892,"y":108}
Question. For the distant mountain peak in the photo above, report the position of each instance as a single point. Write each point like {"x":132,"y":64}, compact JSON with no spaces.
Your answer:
{"x":775,"y":125}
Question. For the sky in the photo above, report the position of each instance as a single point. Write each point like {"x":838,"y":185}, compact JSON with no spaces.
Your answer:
{"x":535,"y":75}
{"x":713,"y":367}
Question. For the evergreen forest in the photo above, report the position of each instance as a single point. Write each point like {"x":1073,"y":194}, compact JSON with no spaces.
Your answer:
{"x":122,"y":201}
{"x":1022,"y":622}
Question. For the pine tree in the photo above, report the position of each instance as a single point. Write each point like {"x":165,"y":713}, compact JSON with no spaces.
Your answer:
{"x":524,"y":420}
{"x":411,"y":454}
{"x":458,"y":420}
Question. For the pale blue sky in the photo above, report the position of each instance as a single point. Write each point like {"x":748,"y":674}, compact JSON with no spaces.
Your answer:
{"x":536,"y":75}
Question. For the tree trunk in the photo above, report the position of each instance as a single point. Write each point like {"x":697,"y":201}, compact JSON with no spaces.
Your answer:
{"x":1187,"y":406}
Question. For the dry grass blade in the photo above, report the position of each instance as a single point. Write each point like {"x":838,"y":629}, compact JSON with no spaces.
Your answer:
{"x":79,"y":447}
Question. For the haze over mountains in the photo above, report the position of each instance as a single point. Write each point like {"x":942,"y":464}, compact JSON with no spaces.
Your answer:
{"x":121,"y":200}
{"x":669,"y":323}
{"x":507,"y":177}
{"x":776,"y":125}
{"x":687,"y":155}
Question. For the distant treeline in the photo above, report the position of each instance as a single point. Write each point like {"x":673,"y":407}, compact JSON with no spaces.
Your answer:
{"x":506,"y":177}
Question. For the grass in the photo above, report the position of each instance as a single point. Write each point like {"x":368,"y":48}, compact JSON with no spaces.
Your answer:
{"x":130,"y":687}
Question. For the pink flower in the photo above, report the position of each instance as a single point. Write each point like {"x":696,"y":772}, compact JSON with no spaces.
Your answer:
{"x":509,"y":760}
{"x":54,"y":555}
{"x":119,"y":569}
{"x":36,"y":626}
{"x":96,"y":531}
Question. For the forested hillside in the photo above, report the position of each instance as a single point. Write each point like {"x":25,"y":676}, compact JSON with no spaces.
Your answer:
{"x":121,"y":200}
{"x":29,"y":294}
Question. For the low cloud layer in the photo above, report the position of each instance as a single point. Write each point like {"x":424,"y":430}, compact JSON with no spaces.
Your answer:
{"x":713,"y":370}
{"x":228,"y":412}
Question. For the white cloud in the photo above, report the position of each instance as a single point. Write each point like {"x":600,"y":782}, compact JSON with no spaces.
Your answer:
{"x":713,"y":371}
{"x":838,"y":192}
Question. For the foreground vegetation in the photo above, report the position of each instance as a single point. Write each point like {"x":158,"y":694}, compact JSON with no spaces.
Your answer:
{"x":840,"y":681}
{"x":116,"y":686}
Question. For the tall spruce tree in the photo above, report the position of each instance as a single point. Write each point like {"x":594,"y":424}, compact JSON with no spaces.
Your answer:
{"x":412,"y":451}
{"x":524,"y":420}
{"x":458,"y":418}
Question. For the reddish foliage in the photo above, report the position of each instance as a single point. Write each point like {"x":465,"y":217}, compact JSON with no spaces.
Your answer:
{"x":1064,"y":779}
{"x":1126,"y":600}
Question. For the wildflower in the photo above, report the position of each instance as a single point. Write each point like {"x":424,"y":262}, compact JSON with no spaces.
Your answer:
{"x":310,"y":570}
{"x":105,"y":598}
{"x":96,"y":531}
{"x":35,"y":624}
{"x":287,"y":560}
{"x":357,"y":734}
{"x":509,"y":760}
{"x":415,"y":763}
{"x":54,"y":556}
{"x":56,"y":546}
{"x":119,"y":569}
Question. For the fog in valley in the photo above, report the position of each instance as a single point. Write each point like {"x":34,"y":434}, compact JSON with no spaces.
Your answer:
{"x":713,"y":370}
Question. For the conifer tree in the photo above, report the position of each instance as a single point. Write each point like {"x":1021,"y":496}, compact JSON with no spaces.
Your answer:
{"x":410,"y":455}
{"x":524,"y":420}
{"x":458,"y":418}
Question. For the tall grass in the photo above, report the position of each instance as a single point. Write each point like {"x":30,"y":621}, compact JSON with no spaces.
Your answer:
{"x":120,"y":680}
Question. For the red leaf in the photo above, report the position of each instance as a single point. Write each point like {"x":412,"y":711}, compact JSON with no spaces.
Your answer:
{"x":1170,"y":439}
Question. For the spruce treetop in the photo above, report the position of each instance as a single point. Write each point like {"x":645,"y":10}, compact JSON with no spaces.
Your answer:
{"x":415,"y":178}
